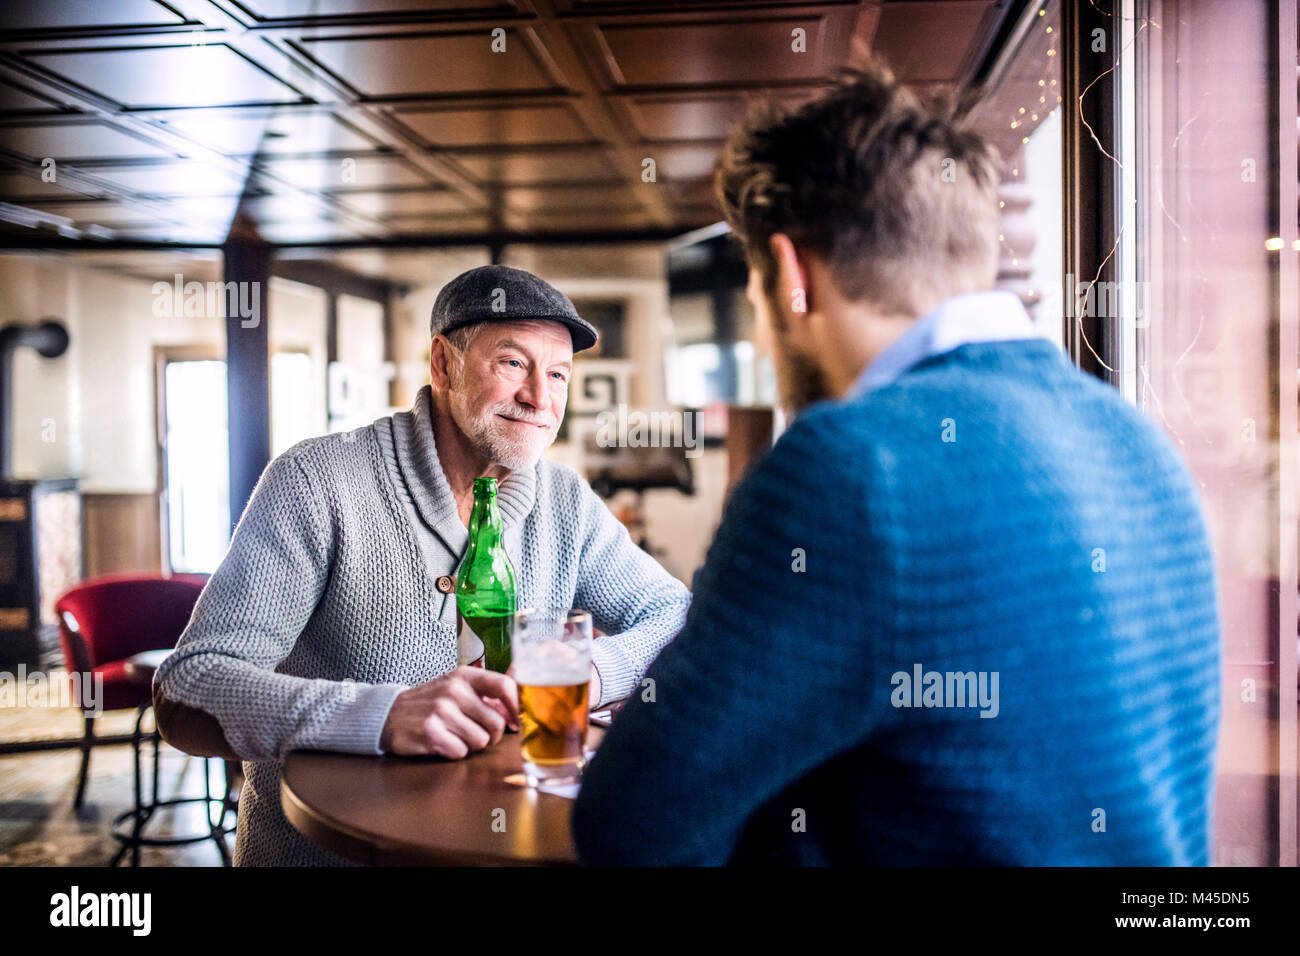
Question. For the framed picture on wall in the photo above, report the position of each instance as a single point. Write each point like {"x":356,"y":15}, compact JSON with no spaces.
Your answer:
{"x":609,"y":316}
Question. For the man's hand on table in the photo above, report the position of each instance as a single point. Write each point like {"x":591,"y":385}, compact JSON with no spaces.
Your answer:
{"x":460,"y":712}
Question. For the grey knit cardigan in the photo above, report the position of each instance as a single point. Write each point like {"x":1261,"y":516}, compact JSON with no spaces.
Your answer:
{"x":326,"y":606}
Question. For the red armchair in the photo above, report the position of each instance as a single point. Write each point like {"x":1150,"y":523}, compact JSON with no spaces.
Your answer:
{"x":104,"y":621}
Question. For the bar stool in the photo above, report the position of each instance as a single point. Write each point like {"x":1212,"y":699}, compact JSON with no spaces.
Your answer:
{"x":129,"y":826}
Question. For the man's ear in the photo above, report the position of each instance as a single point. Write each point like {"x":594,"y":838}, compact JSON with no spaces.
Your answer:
{"x":793,"y":277}
{"x":439,"y":357}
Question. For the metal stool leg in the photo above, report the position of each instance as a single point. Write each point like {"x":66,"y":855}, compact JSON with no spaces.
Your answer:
{"x":217,"y":829}
{"x":137,"y":811}
{"x":157,"y":739}
{"x":87,"y":742}
{"x":140,"y":815}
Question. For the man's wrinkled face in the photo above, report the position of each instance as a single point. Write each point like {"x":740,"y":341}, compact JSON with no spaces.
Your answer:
{"x":508,"y":393}
{"x":799,"y":379}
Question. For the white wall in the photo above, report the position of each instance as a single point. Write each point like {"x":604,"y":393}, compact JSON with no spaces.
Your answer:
{"x":97,"y":401}
{"x":99,"y":396}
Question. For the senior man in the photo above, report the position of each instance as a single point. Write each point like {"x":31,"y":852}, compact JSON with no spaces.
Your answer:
{"x":331,"y":622}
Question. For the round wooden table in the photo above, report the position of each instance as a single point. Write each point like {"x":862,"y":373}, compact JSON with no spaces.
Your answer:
{"x":419,"y":811}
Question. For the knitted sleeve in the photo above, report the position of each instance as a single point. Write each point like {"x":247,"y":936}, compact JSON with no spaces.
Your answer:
{"x":768,"y":679}
{"x":639,"y":605}
{"x":248,"y":619}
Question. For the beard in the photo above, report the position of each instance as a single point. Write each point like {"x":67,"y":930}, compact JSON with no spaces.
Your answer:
{"x":496,"y":440}
{"x":800,"y":381}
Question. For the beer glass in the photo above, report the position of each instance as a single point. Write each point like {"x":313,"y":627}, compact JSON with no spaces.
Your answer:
{"x":551,"y":649}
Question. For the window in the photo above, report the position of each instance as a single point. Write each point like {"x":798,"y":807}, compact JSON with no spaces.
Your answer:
{"x":1213,"y":356}
{"x":1021,"y":114}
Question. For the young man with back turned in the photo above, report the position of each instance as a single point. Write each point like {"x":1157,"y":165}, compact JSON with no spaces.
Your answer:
{"x":964,"y":612}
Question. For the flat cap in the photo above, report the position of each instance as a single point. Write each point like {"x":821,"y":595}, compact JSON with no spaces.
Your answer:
{"x":502,"y":294}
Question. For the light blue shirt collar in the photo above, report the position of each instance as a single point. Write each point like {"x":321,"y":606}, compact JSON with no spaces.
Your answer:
{"x":994,"y":316}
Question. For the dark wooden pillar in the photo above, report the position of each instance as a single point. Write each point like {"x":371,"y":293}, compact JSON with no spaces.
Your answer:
{"x":248,"y":380}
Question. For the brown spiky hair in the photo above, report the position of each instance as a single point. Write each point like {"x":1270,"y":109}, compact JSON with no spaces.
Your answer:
{"x":893,"y":191}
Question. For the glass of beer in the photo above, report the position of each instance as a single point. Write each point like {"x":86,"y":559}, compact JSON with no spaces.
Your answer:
{"x":551,"y":649}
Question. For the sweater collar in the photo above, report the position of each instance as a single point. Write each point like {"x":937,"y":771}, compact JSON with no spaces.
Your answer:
{"x":417,"y":458}
{"x":993,"y":316}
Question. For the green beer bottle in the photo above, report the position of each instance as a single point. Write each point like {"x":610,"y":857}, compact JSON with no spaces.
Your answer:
{"x":485,"y":583}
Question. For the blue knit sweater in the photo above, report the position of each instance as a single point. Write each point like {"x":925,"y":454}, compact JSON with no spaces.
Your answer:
{"x":966,"y":618}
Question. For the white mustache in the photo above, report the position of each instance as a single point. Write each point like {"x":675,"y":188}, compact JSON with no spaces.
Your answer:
{"x":514,"y":411}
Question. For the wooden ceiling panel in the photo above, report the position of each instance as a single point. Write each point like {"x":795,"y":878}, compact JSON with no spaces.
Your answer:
{"x":16,"y":186}
{"x":84,"y":14}
{"x":14,"y":99}
{"x":171,"y":179}
{"x":538,"y":167}
{"x":352,"y":172}
{"x":690,"y":193}
{"x":168,"y":76}
{"x":438,"y":225}
{"x":682,"y":162}
{"x":407,"y":202}
{"x":584,"y":220}
{"x":101,"y":213}
{"x":367,"y":119}
{"x":925,"y":41}
{"x":597,"y":7}
{"x":179,"y":233}
{"x":261,"y":132}
{"x":204,"y":209}
{"x":78,"y":140}
{"x":659,"y":118}
{"x":323,"y":9}
{"x":525,"y":199}
{"x":432,"y":65}
{"x":692,"y":116}
{"x":723,"y":52}
{"x":320,"y":230}
{"x":498,"y":125}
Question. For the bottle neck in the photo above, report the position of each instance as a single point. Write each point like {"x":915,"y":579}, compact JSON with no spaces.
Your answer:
{"x":485,"y":528}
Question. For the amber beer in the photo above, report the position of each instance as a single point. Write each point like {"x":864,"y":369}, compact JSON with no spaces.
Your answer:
{"x":552,"y":662}
{"x":555,"y":723}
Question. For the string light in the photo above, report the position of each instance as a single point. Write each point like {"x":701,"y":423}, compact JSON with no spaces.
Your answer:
{"x":1034,"y":117}
{"x":1024,"y":115}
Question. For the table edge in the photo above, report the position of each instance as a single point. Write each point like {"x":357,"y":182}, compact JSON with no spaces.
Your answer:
{"x":364,"y":847}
